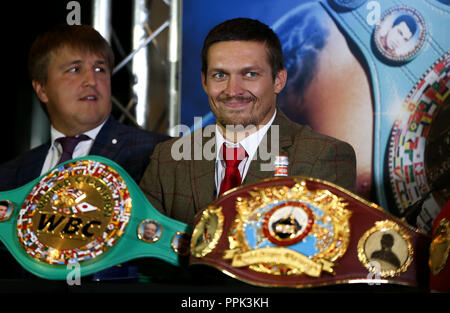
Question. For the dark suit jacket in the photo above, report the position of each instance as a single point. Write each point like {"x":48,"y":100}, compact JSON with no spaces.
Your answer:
{"x":181,"y":188}
{"x":132,"y":150}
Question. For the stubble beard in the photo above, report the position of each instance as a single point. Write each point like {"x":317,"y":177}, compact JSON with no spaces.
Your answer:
{"x":241,"y":118}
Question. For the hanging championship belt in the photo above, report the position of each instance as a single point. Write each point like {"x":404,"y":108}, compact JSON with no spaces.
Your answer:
{"x":303,"y":232}
{"x":411,"y":96}
{"x":87,"y":212}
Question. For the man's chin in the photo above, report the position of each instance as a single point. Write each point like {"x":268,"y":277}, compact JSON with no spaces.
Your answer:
{"x":237,"y":123}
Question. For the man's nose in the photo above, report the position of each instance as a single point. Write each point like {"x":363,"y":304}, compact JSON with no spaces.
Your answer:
{"x":89,"y":77}
{"x":234,"y":86}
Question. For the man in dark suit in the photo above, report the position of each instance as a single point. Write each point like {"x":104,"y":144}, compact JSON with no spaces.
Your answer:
{"x":242,"y":73}
{"x":70,"y":68}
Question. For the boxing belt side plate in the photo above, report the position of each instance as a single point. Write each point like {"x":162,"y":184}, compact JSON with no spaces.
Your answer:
{"x":303,"y":232}
{"x":87,"y":212}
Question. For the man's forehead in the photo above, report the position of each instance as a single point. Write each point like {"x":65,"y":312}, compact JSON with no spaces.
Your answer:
{"x":405,"y":29}
{"x":231,"y":52}
{"x":70,"y":52}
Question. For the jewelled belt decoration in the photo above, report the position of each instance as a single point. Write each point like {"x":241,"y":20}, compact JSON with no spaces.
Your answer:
{"x":90,"y":212}
{"x":303,"y":232}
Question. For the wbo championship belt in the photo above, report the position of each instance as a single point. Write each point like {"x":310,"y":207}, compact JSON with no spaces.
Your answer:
{"x":87,"y":212}
{"x":303,"y":232}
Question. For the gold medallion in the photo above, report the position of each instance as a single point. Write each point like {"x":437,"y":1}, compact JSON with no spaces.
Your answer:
{"x":75,"y":213}
{"x":289,"y":231}
{"x":207,"y":232}
{"x":385,"y":249}
{"x":180,"y":243}
{"x":440,"y":247}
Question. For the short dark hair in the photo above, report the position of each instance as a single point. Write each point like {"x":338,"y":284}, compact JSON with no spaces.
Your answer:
{"x":409,"y":21}
{"x":245,"y":29}
{"x":387,"y":240}
{"x":81,"y":37}
{"x":151,"y":222}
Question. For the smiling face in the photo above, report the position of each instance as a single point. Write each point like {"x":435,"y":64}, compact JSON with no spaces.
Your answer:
{"x":398,"y":36}
{"x":239,"y":83}
{"x":77,"y":93}
{"x":3,"y":211}
{"x":150,"y":230}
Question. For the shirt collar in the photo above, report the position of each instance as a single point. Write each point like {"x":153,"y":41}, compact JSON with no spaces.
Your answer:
{"x":55,"y":134}
{"x":249,"y":143}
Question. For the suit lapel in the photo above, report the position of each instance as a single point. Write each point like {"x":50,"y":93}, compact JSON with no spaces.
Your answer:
{"x":108,"y":142}
{"x":202,"y":170}
{"x":275,"y":142}
{"x":32,"y":168}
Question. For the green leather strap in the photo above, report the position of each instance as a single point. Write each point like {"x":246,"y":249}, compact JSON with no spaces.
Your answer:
{"x":89,"y":212}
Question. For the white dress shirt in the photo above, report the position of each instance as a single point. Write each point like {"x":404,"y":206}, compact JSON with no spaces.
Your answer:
{"x":55,"y":151}
{"x":250,"y":144}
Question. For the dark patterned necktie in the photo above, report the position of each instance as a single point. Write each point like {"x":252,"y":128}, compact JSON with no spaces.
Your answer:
{"x":232,"y":157}
{"x":68,"y":145}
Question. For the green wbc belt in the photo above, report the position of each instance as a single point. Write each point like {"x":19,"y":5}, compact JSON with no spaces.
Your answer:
{"x":90,"y":212}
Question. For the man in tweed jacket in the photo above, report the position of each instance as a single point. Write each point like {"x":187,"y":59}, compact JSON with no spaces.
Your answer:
{"x":242,"y":73}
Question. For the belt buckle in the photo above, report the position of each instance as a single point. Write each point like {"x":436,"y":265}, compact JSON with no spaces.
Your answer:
{"x":289,"y":231}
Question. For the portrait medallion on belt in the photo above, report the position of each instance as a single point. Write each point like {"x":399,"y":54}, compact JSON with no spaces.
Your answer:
{"x":149,"y":231}
{"x":400,"y":35}
{"x":6,"y":210}
{"x":180,"y":243}
{"x":385,"y":249}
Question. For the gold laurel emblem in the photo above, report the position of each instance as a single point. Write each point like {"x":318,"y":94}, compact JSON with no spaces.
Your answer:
{"x":207,"y":232}
{"x":331,"y":241}
{"x":440,"y":247}
{"x":74,"y":213}
{"x":385,"y":249}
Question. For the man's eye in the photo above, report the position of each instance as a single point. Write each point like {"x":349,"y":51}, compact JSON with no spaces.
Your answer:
{"x":251,"y":74}
{"x":218,"y":75}
{"x":73,"y":70}
{"x":99,"y":69}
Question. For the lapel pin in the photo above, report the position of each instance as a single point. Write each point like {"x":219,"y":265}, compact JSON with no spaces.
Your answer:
{"x":281,"y":165}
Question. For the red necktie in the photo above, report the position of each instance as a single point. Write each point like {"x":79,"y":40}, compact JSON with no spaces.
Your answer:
{"x":68,"y":145}
{"x":232,"y":157}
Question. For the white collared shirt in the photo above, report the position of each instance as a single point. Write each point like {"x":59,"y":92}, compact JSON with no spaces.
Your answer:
{"x":55,"y":151}
{"x":250,"y":144}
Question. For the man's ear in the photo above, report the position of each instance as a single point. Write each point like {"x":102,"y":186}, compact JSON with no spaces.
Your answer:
{"x":280,"y":81}
{"x":204,"y":82}
{"x":40,"y":90}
